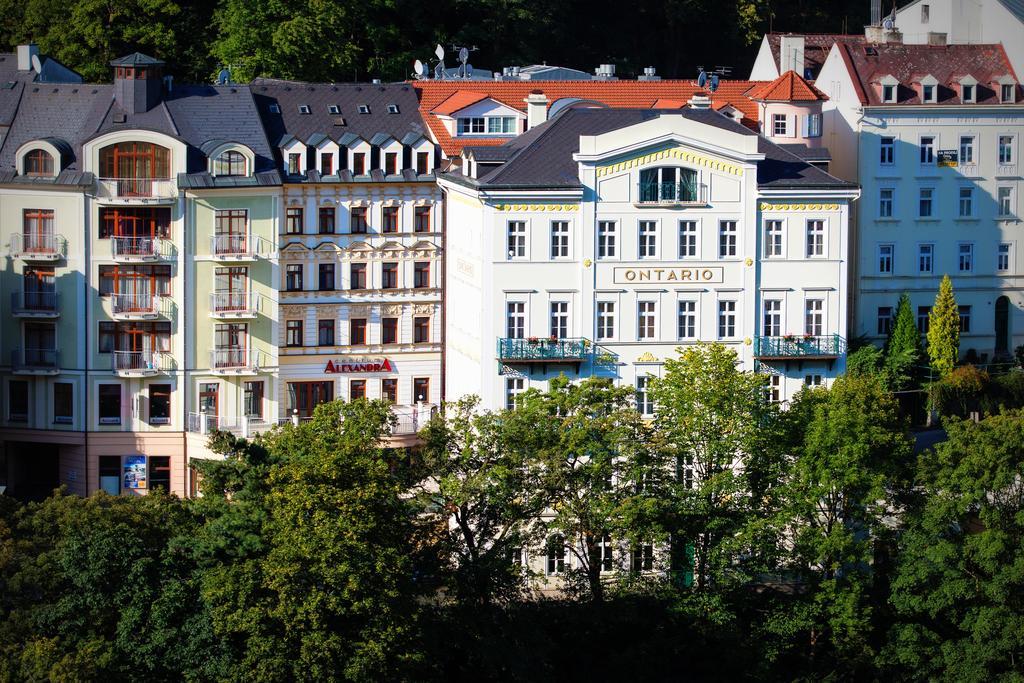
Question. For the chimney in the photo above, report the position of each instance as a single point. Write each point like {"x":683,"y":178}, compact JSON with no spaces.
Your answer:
{"x":649,"y":75}
{"x":138,"y":82}
{"x":791,"y":55}
{"x":605,"y":72}
{"x":25,"y":55}
{"x":935,"y":38}
{"x":536,"y":109}
{"x":700,"y":101}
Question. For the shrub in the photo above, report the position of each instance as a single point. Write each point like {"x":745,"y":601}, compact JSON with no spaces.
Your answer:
{"x":1006,"y":391}
{"x":960,"y":391}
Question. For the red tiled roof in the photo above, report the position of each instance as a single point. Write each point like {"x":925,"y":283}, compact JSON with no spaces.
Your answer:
{"x":459,"y":100}
{"x":617,"y":94}
{"x":789,"y":87}
{"x":666,"y":103}
{"x":868,"y":64}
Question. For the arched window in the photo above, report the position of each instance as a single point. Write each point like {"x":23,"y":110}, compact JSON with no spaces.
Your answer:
{"x":668,"y":184}
{"x":135,"y":161}
{"x":38,"y":162}
{"x":230,"y":163}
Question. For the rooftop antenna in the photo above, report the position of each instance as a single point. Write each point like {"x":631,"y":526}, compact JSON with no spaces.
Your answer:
{"x":464,"y":70}
{"x":723,"y":71}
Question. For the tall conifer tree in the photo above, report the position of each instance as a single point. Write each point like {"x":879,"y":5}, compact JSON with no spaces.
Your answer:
{"x":944,"y":330}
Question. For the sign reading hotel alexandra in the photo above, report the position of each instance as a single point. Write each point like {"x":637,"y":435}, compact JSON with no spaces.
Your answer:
{"x":382,"y":365}
{"x":632,"y":276}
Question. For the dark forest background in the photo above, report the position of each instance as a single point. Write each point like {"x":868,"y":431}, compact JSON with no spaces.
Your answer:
{"x":344,"y":40}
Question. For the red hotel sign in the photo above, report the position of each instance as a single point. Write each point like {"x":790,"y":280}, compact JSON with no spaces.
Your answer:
{"x":383,"y":365}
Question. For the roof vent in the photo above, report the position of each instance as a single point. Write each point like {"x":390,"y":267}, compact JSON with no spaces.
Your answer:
{"x":605,"y":72}
{"x":304,"y":109}
{"x":275,"y":108}
{"x":700,"y":102}
{"x":364,"y":109}
{"x":333,"y":109}
{"x":120,"y":118}
{"x":339,"y":121}
{"x":375,"y":81}
{"x":392,"y":108}
{"x":649,"y":75}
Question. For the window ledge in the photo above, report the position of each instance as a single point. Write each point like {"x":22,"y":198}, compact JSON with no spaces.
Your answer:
{"x":927,"y":220}
{"x":966,"y":219}
{"x":887,"y":220}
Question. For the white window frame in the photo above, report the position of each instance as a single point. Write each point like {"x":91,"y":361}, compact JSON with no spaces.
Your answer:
{"x":1005,"y":201}
{"x":886,"y":205}
{"x":772,"y":317}
{"x":689,"y":229}
{"x":1004,"y":257}
{"x":728,"y":236}
{"x":926,"y":153}
{"x":514,"y":387}
{"x":560,"y":313}
{"x":883,"y":259}
{"x":815,"y":316}
{"x":963,"y":312}
{"x":465,"y":124}
{"x":561,"y":244}
{"x":687,"y":320}
{"x":605,"y":319}
{"x":646,"y":320}
{"x":780,"y":131}
{"x":922,"y":197}
{"x":965,"y":201}
{"x":519,"y":316}
{"x":644,"y":403}
{"x":607,"y":239}
{"x":967,"y":148}
{"x":926,"y":250}
{"x":646,"y":237}
{"x":774,"y":238}
{"x":522,"y":241}
{"x":1006,"y":153}
{"x":887,"y":150}
{"x":961,"y":254}
{"x":816,"y":248}
{"x":727,"y":309}
{"x":880,"y":328}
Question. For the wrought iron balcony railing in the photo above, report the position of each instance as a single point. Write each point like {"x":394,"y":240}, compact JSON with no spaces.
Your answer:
{"x":35,"y":304}
{"x":136,"y":188}
{"x":140,"y":362}
{"x":576,"y":350}
{"x":35,"y":360}
{"x":135,"y":248}
{"x":800,"y":346}
{"x":38,"y":247}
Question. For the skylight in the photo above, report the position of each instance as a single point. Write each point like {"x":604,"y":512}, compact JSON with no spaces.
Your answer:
{"x":304,"y":109}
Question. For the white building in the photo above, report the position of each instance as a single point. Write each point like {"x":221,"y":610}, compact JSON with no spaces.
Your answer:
{"x":604,"y":239}
{"x":932,"y":134}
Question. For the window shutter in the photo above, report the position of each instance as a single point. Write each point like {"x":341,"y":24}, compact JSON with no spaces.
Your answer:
{"x":805,"y":131}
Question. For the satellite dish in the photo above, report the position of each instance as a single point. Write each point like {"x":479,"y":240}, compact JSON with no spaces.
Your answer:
{"x":702,"y":79}
{"x":224,"y":77}
{"x":714,"y":82}
{"x":463,"y":55}
{"x":469,"y":70}
{"x":417,"y":68}
{"x":439,"y":51}
{"x":36,"y":64}
{"x":439,"y":71}
{"x":887,"y":24}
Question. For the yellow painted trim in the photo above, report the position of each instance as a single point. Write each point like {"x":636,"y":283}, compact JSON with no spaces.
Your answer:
{"x":674,"y":153}
{"x":766,"y":206}
{"x":536,"y":207}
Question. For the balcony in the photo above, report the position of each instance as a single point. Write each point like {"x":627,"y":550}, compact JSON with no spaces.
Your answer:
{"x":35,"y":362}
{"x":797,"y":347}
{"x":136,"y":249}
{"x":534,"y":351}
{"x":136,"y":306}
{"x":140,"y":363}
{"x":35,"y":305}
{"x":136,"y":190}
{"x":232,"y":305}
{"x":237,"y":362}
{"x":675,"y":194}
{"x":33,"y":247}
{"x":244,"y":426}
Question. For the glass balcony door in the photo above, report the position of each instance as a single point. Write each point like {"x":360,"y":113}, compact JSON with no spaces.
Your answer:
{"x":40,"y":289}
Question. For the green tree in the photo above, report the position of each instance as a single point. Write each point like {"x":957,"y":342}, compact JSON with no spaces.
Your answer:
{"x":903,"y":348}
{"x":959,"y":587}
{"x":944,"y":330}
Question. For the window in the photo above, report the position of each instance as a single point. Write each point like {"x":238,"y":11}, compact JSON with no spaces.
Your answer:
{"x":515,"y":319}
{"x":966,"y":149}
{"x":304,"y":109}
{"x":774,"y":396}
{"x":687,"y":239}
{"x":772,"y":318}
{"x":815,"y":239}
{"x":293,"y":221}
{"x":813,"y":380}
{"x":559,"y":319}
{"x":356,"y":389}
{"x":513,"y":388}
{"x":965,"y":319}
{"x":293,"y":332}
{"x":304,"y":397}
{"x":773,"y":239}
{"x":814,"y":317}
{"x":559,"y":239}
{"x":556,"y":556}
{"x":645,"y":320}
{"x":928,"y":149}
{"x":389,"y":330}
{"x":208,"y":398}
{"x":779,"y":125}
{"x":327,"y":220}
{"x":159,"y":404}
{"x":966,"y":201}
{"x":421,"y":330}
{"x":644,"y":402}
{"x":1006,"y":92}
{"x":885,"y":257}
{"x":159,"y":472}
{"x":726,"y":239}
{"x":471,"y":124}
{"x":887,"y":150}
{"x":925,"y":258}
{"x":390,"y":219}
{"x":293,"y":277}
{"x":17,"y":401}
{"x":325,"y":277}
{"x":605,"y":319}
{"x":109,"y":406}
{"x":326,"y":164}
{"x":421,"y":389}
{"x":726,"y":319}
{"x":389,"y":275}
{"x":252,"y":398}
{"x":421,"y":274}
{"x":137,"y":283}
{"x":812,"y":126}
{"x":38,"y":162}
{"x":325,"y":332}
{"x":357,"y":276}
{"x":965,"y":257}
{"x":421,"y":215}
{"x":669,"y":184}
{"x":357,"y":220}
{"x":1005,"y":150}
{"x":275,"y":108}
{"x":144,"y":221}
{"x":607,"y":232}
{"x":390,"y":163}
{"x":516,"y":240}
{"x":928,"y":93}
{"x":110,"y":474}
{"x":925,"y":12}
{"x":1004,"y":197}
{"x":885,"y":202}
{"x":966,"y":92}
{"x":389,"y":389}
{"x":604,"y":553}
{"x":294,"y":164}
{"x":63,"y":402}
{"x":647,"y":244}
{"x":230,"y":163}
{"x":422,"y":163}
{"x":687,"y":319}
{"x":925,"y":203}
{"x":923,"y":313}
{"x":884,"y":320}
{"x":888,"y":95}
{"x":357,"y":331}
{"x":642,"y":559}
{"x":135,"y":161}
{"x":392,"y":108}
{"x":501,"y":125}
{"x":1003,"y":257}
{"x":359,"y":163}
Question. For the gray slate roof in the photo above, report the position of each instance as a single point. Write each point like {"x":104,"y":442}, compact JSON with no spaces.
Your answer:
{"x":136,"y":59}
{"x":542,"y":157}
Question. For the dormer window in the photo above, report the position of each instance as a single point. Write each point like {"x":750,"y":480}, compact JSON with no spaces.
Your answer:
{"x":1006,"y":93}
{"x":392,"y":108}
{"x":364,"y":109}
{"x":304,"y":109}
{"x":230,"y":163}
{"x":38,"y":162}
{"x":333,"y":109}
{"x":326,"y":163}
{"x":275,"y":109}
{"x":471,"y":124}
{"x":889,"y":94}
{"x":358,"y":163}
{"x":668,"y":184}
{"x":294,"y":163}
{"x":967,"y":91}
{"x":390,"y":163}
{"x":928,"y":94}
